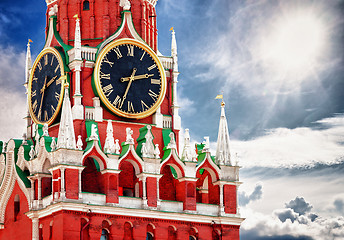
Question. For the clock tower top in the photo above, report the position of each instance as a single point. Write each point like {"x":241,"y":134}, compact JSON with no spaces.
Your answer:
{"x":99,"y":19}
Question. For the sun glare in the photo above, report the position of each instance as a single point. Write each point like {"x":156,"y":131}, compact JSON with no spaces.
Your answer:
{"x":295,"y":43}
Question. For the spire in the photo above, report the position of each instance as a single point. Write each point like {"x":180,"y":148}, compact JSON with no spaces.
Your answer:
{"x":66,"y":137}
{"x":223,"y":156}
{"x":175,"y":107}
{"x":77,"y":41}
{"x":28,"y":64}
{"x":174,"y":51}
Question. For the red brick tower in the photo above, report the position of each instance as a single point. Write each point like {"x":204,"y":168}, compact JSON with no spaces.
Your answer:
{"x":100,"y":159}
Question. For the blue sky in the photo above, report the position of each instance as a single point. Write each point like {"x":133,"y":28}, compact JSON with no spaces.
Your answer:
{"x":280,"y":66}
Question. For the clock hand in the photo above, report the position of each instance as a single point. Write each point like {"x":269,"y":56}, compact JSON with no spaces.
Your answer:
{"x":51,"y":81}
{"x":129,"y":84}
{"x":137,"y":77}
{"x":42,"y":91}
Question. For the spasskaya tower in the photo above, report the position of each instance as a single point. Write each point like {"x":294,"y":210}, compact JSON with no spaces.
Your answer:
{"x":101,"y":156}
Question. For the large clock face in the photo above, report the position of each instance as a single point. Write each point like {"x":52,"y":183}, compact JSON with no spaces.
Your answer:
{"x":46,"y":86}
{"x":129,"y":79}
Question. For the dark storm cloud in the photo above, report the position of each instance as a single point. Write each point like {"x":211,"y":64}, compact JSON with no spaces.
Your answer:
{"x":252,"y":235}
{"x":299,"y":205}
{"x":257,"y":194}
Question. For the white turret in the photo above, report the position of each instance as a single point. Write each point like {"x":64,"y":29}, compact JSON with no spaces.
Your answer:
{"x":75,"y":65}
{"x":223,"y":156}
{"x":175,"y":73}
{"x":66,"y":137}
{"x":28,"y":67}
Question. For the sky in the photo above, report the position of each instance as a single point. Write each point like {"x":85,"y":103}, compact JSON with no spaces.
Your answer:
{"x":280,"y":67}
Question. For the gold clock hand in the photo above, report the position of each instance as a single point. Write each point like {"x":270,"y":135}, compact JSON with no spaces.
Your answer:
{"x":51,"y":81}
{"x":129,"y":84}
{"x":137,"y":77}
{"x":42,"y":91}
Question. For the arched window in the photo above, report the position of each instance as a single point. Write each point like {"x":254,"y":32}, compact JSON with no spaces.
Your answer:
{"x":16,"y":207}
{"x":105,"y":235}
{"x":172,"y":233}
{"x":86,"y":5}
{"x":193,"y":234}
{"x":84,"y":233}
{"x":192,"y":238}
{"x":51,"y":230}
{"x":149,"y":236}
{"x":128,"y":231}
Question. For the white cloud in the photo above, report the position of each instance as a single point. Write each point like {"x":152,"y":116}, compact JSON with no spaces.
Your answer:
{"x":292,"y":223}
{"x":297,"y":147}
{"x":12,"y":94}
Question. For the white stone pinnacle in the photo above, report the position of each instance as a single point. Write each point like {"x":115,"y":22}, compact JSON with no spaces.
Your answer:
{"x":129,"y":139}
{"x":28,"y":64}
{"x":66,"y":136}
{"x":223,"y":155}
{"x":187,"y":151}
{"x":109,"y":146}
{"x":149,"y":145}
{"x":77,"y":41}
{"x":79,"y":143}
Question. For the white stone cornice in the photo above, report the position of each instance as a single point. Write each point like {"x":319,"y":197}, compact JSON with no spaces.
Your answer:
{"x":227,"y":183}
{"x":190,"y":179}
{"x":141,"y":213}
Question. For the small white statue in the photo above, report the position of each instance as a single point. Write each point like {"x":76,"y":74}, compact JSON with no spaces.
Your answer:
{"x":45,"y":130}
{"x":94,"y":135}
{"x":117,"y":147}
{"x":125,"y":4}
{"x":79,"y":143}
{"x":206,"y":143}
{"x":157,"y":151}
{"x":129,"y":138}
{"x":53,"y":144}
{"x":144,"y":150}
{"x":172,"y":143}
{"x":32,"y":153}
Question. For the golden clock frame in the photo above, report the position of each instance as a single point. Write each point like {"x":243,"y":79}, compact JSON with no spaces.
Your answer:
{"x":63,"y":78}
{"x":96,"y":78}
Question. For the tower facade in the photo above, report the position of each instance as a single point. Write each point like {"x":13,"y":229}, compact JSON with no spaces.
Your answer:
{"x":100,"y":157}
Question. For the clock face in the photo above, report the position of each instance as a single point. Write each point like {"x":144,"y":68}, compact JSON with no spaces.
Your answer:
{"x":46,"y":86}
{"x":129,"y":79}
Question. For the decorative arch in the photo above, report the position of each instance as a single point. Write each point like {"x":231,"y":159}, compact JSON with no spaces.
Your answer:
{"x":84,"y":228}
{"x":97,"y":154}
{"x":172,"y":233}
{"x":46,"y":165}
{"x":86,"y":5}
{"x":150,"y":232}
{"x":211,"y":167}
{"x":127,"y":179}
{"x":132,"y":157}
{"x":193,"y":233}
{"x":128,"y":231}
{"x":91,"y":177}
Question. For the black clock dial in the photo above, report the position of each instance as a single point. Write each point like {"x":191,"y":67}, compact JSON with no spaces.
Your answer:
{"x":131,"y":79}
{"x":45,"y":88}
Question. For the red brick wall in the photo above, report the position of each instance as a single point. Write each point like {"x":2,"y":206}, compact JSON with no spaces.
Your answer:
{"x":72,"y":183}
{"x":230,"y":199}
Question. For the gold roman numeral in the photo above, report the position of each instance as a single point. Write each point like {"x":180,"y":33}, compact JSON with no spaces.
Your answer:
{"x":144,"y":53}
{"x":35,"y":79}
{"x":58,"y":81}
{"x":57,"y":96}
{"x":52,"y":60}
{"x":57,"y":68}
{"x":118,"y":52}
{"x":130,"y":50}
{"x":106,"y":60}
{"x":33,"y":93}
{"x":34,"y":106}
{"x":108,"y":90}
{"x":117,"y":101}
{"x":153,"y":95}
{"x":39,"y":115}
{"x":104,"y":75}
{"x":130,"y":107}
{"x":152,"y":67}
{"x":144,"y":106}
{"x":46,"y":115}
{"x":53,"y":109}
{"x":45,"y":60}
{"x":39,"y":65}
{"x":156,"y":81}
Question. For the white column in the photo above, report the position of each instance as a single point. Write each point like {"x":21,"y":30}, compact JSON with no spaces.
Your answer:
{"x":222,"y":208}
{"x":39,"y":196}
{"x":80,"y":187}
{"x":63,"y":191}
{"x":144,"y":193}
{"x":35,"y":229}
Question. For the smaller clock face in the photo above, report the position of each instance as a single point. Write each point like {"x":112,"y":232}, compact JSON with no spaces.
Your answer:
{"x":130,"y":79}
{"x":46,"y":87}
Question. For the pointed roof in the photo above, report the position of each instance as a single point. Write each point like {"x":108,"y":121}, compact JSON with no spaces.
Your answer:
{"x":28,"y":64}
{"x":174,"y":51}
{"x":223,"y":156}
{"x":66,"y":137}
{"x":77,"y":42}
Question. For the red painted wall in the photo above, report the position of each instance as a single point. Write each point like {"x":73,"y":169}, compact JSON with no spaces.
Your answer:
{"x":22,"y":221}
